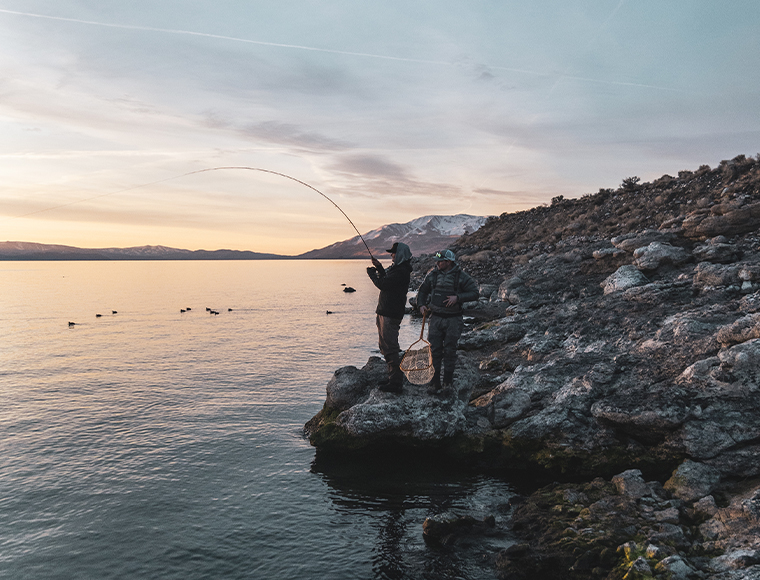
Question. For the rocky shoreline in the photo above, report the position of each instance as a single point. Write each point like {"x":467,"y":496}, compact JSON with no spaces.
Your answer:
{"x":615,"y":348}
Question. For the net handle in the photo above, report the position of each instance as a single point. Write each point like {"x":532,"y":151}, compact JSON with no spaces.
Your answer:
{"x":424,"y":318}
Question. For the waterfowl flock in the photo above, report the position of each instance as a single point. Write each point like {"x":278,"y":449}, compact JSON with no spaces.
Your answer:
{"x":211,"y":311}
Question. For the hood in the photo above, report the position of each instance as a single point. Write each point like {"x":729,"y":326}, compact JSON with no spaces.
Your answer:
{"x":403,"y":253}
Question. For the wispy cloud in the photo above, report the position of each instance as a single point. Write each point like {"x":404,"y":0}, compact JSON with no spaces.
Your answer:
{"x":455,"y":63}
{"x":291,"y":135}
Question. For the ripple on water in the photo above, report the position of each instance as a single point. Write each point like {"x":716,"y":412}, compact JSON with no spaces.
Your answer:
{"x":160,"y":444}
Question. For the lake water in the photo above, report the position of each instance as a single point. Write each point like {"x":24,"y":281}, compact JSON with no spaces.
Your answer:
{"x":152,"y":443}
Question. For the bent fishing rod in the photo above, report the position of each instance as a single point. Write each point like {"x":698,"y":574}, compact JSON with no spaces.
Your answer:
{"x":285,"y":175}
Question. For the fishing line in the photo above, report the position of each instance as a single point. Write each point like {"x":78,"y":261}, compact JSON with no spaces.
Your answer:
{"x":206,"y":171}
{"x":287,"y":177}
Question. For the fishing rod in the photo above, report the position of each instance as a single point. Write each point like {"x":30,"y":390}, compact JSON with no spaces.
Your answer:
{"x":285,"y":175}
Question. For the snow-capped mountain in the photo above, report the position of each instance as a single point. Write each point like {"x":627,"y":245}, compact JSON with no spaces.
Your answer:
{"x":423,"y":235}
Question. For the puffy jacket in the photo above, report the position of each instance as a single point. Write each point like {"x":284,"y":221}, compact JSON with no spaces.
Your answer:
{"x":437,"y":285}
{"x":393,"y":284}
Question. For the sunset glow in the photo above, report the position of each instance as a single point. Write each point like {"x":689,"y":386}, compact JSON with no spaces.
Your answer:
{"x":394,"y":111}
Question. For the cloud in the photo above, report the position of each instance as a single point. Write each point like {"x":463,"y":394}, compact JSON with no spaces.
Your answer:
{"x":292,"y":136}
{"x":371,"y":166}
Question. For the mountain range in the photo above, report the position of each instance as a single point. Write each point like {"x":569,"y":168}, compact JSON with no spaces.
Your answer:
{"x":423,"y":235}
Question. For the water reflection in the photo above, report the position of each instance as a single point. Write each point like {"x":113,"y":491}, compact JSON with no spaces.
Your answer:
{"x":396,"y":495}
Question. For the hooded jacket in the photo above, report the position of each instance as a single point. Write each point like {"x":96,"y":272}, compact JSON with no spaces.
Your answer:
{"x":437,"y":285}
{"x":393,"y":283}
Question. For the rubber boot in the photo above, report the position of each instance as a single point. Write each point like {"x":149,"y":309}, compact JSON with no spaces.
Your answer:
{"x":435,"y":384}
{"x":395,"y":381}
{"x":395,"y":378}
{"x":448,"y":378}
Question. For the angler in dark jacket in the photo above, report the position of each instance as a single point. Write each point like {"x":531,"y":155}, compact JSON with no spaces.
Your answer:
{"x":441,"y":295}
{"x":391,"y":306}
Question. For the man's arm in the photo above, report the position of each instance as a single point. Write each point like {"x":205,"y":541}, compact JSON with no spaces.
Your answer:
{"x":376,"y":273}
{"x":423,"y":293}
{"x":470,"y":291}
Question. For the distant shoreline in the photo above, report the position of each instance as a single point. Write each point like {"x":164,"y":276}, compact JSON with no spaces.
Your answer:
{"x":167,"y":259}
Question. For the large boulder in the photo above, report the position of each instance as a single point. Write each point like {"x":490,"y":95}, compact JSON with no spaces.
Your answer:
{"x":502,"y":331}
{"x":716,"y":250}
{"x":736,"y":527}
{"x":692,"y":481}
{"x":625,"y":277}
{"x":350,"y":386}
{"x":357,"y":413}
{"x":658,"y":254}
{"x":514,"y":291}
{"x":630,"y":483}
{"x":709,"y":275}
{"x":701,"y":224}
{"x":504,"y":405}
{"x":744,"y":329}
{"x":632,"y":242}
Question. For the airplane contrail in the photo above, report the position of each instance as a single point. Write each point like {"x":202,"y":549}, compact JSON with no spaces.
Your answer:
{"x":317,"y":49}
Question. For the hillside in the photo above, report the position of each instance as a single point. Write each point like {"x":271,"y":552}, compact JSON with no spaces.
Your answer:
{"x":33,"y":251}
{"x":615,"y":349}
{"x":693,"y":205}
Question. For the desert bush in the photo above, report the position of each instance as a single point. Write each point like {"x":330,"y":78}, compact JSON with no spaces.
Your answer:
{"x":631,"y":183}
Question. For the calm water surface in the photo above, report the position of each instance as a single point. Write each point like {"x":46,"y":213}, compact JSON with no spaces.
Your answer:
{"x":153,"y":443}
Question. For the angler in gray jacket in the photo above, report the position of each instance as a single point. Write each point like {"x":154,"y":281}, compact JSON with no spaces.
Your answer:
{"x":441,"y":295}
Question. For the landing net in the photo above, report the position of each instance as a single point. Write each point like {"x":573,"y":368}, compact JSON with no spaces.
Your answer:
{"x":417,"y":362}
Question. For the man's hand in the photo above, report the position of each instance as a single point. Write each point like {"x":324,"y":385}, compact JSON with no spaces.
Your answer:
{"x":376,"y":263}
{"x":424,"y":310}
{"x":450,"y":301}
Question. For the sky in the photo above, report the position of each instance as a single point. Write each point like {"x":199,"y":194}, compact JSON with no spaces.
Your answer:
{"x":393,"y":110}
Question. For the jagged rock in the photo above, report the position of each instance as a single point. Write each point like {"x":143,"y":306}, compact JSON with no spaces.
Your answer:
{"x":701,"y":224}
{"x":716,"y":250}
{"x":502,"y":331}
{"x":640,"y":566}
{"x":504,"y":404}
{"x":414,"y":414}
{"x":676,"y":567}
{"x":685,"y":329}
{"x":631,"y":242}
{"x":739,"y":462}
{"x":487,"y":290}
{"x":625,"y":277}
{"x":509,"y":286}
{"x":692,"y":481}
{"x":735,"y":560}
{"x":714,"y":275}
{"x":749,"y":272}
{"x":350,"y":386}
{"x":607,"y":253}
{"x":706,"y":506}
{"x":750,"y":303}
{"x":631,"y":484}
{"x":744,"y":329}
{"x":737,"y":526}
{"x":657,"y":254}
